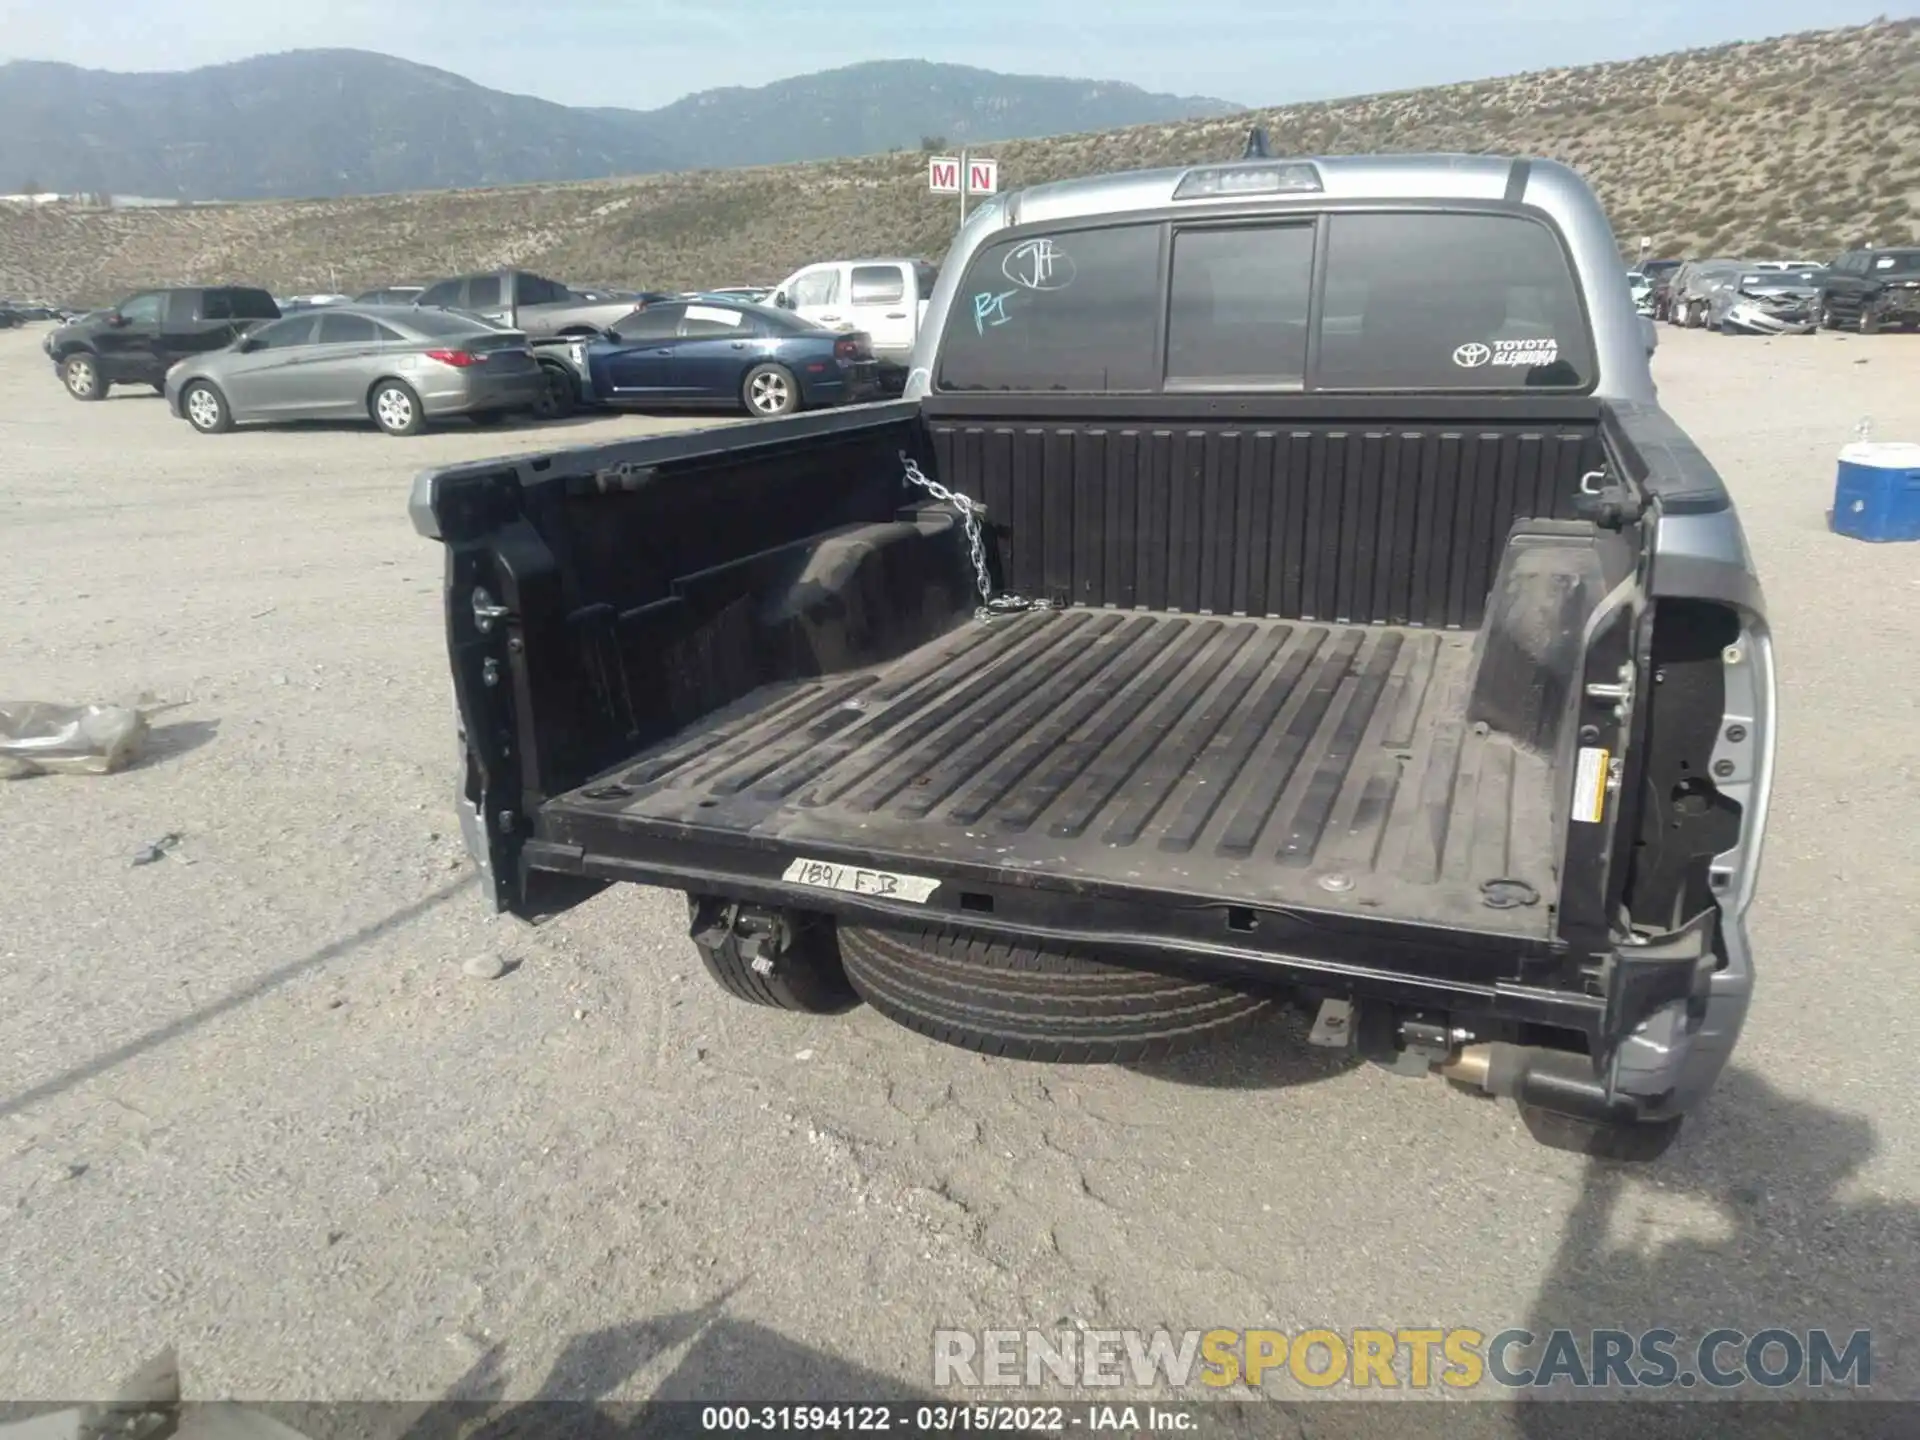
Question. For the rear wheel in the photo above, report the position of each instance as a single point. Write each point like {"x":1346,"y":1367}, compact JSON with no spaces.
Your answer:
{"x":557,"y":394}
{"x":1026,"y":1002}
{"x":81,"y":375}
{"x":771,"y":390}
{"x":396,"y":408}
{"x":206,"y":408}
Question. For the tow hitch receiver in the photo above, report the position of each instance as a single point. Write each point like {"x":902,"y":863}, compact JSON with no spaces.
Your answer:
{"x":763,"y":936}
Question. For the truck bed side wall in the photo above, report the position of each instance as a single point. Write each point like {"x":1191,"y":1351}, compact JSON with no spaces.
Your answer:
{"x":675,"y":578}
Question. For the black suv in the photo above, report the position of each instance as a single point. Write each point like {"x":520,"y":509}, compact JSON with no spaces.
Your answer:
{"x":1866,"y":289}
{"x":136,"y":341}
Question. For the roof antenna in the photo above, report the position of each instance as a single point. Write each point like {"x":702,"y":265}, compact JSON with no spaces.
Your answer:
{"x":1257,"y":145}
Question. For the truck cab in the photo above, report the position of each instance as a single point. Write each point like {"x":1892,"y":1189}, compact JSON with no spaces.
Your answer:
{"x":887,"y":299}
{"x":1278,"y":585}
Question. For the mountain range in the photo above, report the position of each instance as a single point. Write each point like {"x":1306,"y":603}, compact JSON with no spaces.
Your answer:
{"x":1800,"y":145}
{"x":323,"y":123}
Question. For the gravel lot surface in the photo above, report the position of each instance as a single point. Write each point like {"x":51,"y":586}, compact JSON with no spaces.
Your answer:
{"x":251,"y":1105}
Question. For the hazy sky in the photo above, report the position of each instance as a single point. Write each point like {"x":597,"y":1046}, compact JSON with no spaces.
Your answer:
{"x":642,"y":53}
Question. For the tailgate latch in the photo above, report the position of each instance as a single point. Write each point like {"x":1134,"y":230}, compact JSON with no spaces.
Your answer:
{"x":486,"y":610}
{"x":1619,"y":692}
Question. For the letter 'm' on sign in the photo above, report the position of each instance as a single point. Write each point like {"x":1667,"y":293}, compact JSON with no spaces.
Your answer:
{"x":943,"y":175}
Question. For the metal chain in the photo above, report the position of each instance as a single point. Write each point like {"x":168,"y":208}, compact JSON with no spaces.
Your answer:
{"x":990,"y":604}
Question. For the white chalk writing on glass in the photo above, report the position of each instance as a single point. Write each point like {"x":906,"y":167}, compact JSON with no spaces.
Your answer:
{"x":990,"y":309}
{"x":1038,"y":264}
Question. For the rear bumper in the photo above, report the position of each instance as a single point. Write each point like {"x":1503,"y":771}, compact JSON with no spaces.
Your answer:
{"x":851,"y":385}
{"x":462,"y":392}
{"x":1661,"y":1067}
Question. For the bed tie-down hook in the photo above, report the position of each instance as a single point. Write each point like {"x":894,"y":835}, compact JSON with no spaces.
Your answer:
{"x":1609,"y":503}
{"x":969,"y":509}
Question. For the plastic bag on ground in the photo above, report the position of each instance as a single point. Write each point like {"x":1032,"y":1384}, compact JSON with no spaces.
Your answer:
{"x":39,"y":738}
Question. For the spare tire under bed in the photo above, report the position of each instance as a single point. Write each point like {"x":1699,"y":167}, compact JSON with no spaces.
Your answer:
{"x":1028,"y":1002}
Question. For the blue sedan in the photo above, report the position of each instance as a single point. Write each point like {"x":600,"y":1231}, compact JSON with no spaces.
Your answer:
{"x":697,"y":352}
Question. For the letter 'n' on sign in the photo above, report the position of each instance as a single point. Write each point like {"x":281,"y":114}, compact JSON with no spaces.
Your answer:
{"x":983,"y":177}
{"x":943,"y":174}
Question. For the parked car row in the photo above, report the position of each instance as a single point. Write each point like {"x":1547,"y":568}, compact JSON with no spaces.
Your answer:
{"x":1863,"y":290}
{"x":24,"y":312}
{"x":479,"y":347}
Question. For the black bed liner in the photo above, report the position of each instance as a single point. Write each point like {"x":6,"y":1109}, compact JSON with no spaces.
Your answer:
{"x":1260,"y":762}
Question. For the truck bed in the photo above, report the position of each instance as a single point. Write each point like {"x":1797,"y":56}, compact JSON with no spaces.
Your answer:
{"x":1262,"y":762}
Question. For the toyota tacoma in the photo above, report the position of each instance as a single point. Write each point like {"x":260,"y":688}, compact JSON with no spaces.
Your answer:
{"x":1278,"y":584}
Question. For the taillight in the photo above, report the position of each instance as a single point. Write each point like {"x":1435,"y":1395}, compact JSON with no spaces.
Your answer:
{"x":459,"y":359}
{"x":850,"y":348}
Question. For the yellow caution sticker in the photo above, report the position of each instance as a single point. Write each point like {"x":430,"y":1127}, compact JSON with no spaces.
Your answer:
{"x":1590,"y":785}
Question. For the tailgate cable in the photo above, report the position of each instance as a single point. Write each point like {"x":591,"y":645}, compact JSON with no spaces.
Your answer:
{"x":990,"y":604}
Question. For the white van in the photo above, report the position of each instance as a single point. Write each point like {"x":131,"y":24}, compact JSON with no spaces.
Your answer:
{"x":885,"y":298}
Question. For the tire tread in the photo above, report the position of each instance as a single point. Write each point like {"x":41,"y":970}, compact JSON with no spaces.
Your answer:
{"x":1021,"y":1001}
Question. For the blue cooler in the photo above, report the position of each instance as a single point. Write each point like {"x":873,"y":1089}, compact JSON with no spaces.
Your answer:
{"x":1877,"y":495}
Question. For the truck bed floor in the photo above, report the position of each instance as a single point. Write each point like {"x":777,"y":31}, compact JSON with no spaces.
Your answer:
{"x":1262,"y":762}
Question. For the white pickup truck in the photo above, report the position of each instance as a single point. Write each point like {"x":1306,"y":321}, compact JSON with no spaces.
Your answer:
{"x":885,"y":298}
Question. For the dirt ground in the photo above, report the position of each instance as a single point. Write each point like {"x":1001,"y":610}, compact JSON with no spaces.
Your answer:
{"x":251,"y":1106}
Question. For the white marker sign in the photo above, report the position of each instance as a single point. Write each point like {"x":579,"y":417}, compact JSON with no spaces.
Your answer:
{"x":945,"y":172}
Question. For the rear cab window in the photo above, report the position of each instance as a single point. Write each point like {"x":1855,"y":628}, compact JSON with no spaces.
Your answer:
{"x":1238,"y":303}
{"x":1070,"y":313}
{"x":1450,"y":302}
{"x":879,"y":285}
{"x":1396,"y":300}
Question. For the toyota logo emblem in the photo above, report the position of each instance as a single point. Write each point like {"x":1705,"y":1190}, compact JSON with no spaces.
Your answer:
{"x":1471,"y":357}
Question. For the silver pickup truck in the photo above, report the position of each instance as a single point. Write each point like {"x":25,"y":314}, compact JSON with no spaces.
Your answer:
{"x":541,"y":309}
{"x":1278,"y":585}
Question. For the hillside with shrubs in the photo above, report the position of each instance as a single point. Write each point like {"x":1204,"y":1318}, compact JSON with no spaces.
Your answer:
{"x":1802,"y":144}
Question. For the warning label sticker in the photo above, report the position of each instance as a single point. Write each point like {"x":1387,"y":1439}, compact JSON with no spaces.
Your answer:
{"x":1590,"y":785}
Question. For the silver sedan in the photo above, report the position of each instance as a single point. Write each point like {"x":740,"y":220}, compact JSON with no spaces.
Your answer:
{"x":395,"y":365}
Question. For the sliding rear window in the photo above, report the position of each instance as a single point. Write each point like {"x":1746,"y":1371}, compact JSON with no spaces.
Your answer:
{"x":1408,"y":301}
{"x":1449,"y":302}
{"x":1237,"y":311}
